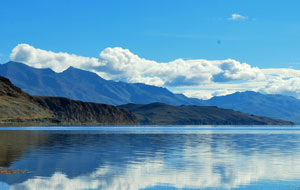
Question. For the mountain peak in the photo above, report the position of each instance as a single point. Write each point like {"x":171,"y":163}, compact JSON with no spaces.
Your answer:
{"x":71,"y":68}
{"x":74,"y":72}
{"x":23,"y":66}
{"x":77,"y":70}
{"x":15,"y":64}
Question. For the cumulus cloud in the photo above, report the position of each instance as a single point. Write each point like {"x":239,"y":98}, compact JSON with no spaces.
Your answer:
{"x":207,"y":94}
{"x":237,"y":17}
{"x":290,"y":87}
{"x":284,"y":81}
{"x":58,"y":62}
{"x":234,"y":70}
{"x":122,"y":65}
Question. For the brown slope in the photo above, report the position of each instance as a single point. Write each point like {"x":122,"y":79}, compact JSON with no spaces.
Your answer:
{"x":19,"y":108}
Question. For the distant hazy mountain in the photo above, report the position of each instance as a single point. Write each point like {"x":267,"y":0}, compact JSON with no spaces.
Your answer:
{"x":270,"y":105}
{"x":87,"y":86}
{"x":163,"y":114}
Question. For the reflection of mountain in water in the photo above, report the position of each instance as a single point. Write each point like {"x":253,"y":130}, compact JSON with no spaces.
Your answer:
{"x":14,"y":144}
{"x":136,"y":161}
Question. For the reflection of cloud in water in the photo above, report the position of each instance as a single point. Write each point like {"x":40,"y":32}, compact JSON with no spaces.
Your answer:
{"x":196,"y":167}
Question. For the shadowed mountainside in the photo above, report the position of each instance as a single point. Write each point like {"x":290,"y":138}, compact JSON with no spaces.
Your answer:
{"x":163,"y":114}
{"x":19,"y":108}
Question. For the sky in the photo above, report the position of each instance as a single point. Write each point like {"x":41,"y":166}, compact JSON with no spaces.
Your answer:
{"x":197,"y":47}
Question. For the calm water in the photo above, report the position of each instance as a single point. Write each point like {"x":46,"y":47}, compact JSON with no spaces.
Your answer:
{"x":151,"y":158}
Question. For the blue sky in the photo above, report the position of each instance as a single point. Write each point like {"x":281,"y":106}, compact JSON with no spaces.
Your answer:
{"x":266,"y":35}
{"x":159,"y":30}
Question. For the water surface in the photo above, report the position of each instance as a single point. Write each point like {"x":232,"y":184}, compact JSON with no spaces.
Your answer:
{"x":151,"y":158}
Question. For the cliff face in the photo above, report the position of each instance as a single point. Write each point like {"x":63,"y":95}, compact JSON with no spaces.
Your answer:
{"x":19,"y":108}
{"x":77,"y":112}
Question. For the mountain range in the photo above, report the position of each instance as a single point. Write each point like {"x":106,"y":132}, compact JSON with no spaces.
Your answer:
{"x":83,"y":85}
{"x":20,"y":108}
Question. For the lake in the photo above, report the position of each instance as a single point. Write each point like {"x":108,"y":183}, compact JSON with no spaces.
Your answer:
{"x":151,"y":158}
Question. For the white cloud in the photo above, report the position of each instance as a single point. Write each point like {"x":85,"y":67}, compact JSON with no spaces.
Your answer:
{"x":202,"y":94}
{"x":290,"y":87}
{"x":121,"y":64}
{"x":209,"y":90}
{"x":281,"y":72}
{"x":58,"y":62}
{"x":234,"y":70}
{"x":284,"y":81}
{"x":237,"y":17}
{"x":205,"y":94}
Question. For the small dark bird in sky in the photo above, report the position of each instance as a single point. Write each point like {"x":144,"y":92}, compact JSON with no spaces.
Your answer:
{"x":218,"y":41}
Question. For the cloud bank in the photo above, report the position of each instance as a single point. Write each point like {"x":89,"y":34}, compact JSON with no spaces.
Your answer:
{"x":58,"y":62}
{"x":289,"y":87}
{"x":196,"y":77}
{"x":121,"y":64}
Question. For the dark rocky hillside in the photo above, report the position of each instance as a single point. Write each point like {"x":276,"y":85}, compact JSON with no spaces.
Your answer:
{"x":163,"y":114}
{"x":19,"y":108}
{"x":77,"y":112}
